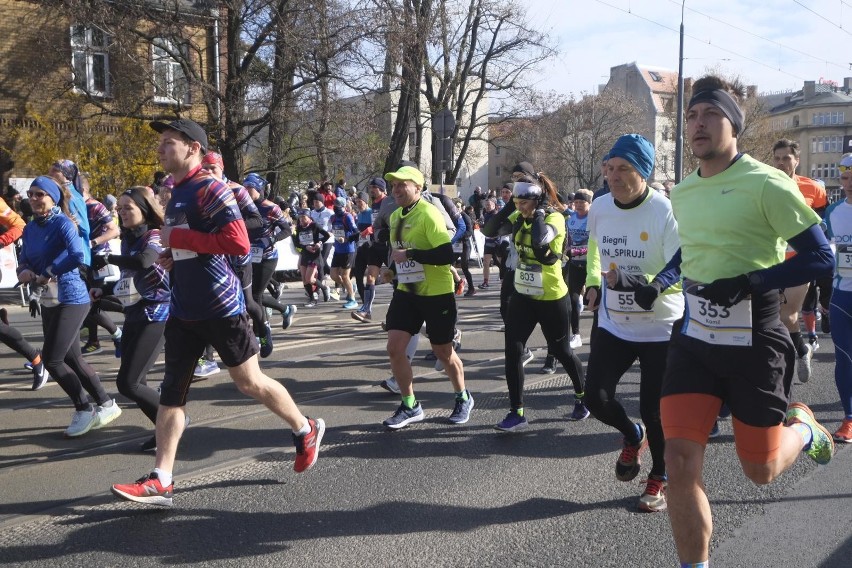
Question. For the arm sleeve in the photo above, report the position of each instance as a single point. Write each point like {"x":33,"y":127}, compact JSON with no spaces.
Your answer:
{"x":442,"y":254}
{"x":670,"y":274}
{"x":322,"y":234}
{"x":593,"y":268}
{"x":541,"y":233}
{"x":813,"y":260}
{"x":141,"y":261}
{"x":498,"y":224}
{"x":231,"y":239}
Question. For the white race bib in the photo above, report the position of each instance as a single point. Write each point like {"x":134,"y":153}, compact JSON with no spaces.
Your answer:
{"x":621,"y":307}
{"x":50,"y":295}
{"x":183,"y":254}
{"x":711,"y":323}
{"x":528,"y":279}
{"x":410,"y":271}
{"x":306,"y":238}
{"x":457,"y":247}
{"x":126,"y":292}
{"x":256,"y":254}
{"x":844,"y":261}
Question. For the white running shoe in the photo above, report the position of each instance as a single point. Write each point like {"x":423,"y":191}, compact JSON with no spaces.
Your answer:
{"x":390,"y":385}
{"x":81,"y":422}
{"x":106,"y":414}
{"x":576,"y":341}
{"x":804,"y":365}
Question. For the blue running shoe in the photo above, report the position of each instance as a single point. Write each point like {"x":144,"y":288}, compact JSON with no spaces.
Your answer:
{"x":461,"y":412}
{"x":580,"y":411}
{"x":404,"y":416}
{"x":288,"y":316}
{"x":266,"y":343}
{"x":350,"y":304}
{"x":512,"y":422}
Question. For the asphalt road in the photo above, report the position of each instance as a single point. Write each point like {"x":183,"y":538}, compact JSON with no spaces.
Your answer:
{"x":433,"y":494}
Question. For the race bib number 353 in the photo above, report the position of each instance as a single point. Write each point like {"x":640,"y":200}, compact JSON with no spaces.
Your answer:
{"x":715,"y":324}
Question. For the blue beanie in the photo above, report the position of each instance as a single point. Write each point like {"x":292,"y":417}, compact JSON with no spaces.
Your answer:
{"x":50,"y":187}
{"x":637,"y":150}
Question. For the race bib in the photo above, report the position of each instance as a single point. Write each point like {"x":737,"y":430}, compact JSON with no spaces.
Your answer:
{"x":457,"y":247}
{"x":126,"y":292}
{"x":306,"y":238}
{"x":621,"y":307}
{"x":410,"y":271}
{"x":256,"y":254}
{"x":528,"y":279}
{"x":50,"y":295}
{"x":711,"y":323}
{"x":844,"y":261}
{"x":339,"y":233}
{"x":183,"y":254}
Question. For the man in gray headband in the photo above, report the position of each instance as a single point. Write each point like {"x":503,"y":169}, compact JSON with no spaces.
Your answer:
{"x":724,"y":102}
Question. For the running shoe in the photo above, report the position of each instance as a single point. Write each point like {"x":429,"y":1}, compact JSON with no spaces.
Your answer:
{"x":350,"y":304}
{"x":288,"y":316}
{"x":308,"y":445}
{"x":804,"y":365}
{"x":311,"y":304}
{"x":4,"y":316}
{"x":275,"y":292}
{"x":549,"y":366}
{"x":107,"y":413}
{"x":205,"y":368}
{"x":91,"y":349}
{"x":430,"y":356}
{"x":266,"y":342}
{"x":483,"y":286}
{"x":653,"y":499}
{"x":146,"y":490}
{"x":527,"y":357}
{"x":715,"y":431}
{"x":325,"y":294}
{"x":384,"y":326}
{"x":28,"y":366}
{"x":724,"y":411}
{"x":825,"y":324}
{"x":813,"y":341}
{"x":404,"y":416}
{"x":461,"y":412}
{"x":390,"y":385}
{"x":628,"y":464}
{"x":81,"y":422}
{"x":844,"y":433}
{"x":457,"y":339}
{"x":333,"y":293}
{"x":470,"y":292}
{"x":576,"y":341}
{"x":362,"y":316}
{"x":821,"y":447}
{"x":580,"y":411}
{"x":40,"y":376}
{"x":459,"y":287}
{"x":512,"y":423}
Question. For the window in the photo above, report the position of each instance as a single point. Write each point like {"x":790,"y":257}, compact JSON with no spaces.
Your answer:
{"x":498,"y":171}
{"x":665,"y":134}
{"x":833,"y":117}
{"x":170,"y":84}
{"x":497,"y":152}
{"x":655,"y":76}
{"x":90,"y":60}
{"x":833,"y":172}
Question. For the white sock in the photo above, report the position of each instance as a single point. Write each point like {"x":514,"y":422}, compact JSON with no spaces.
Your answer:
{"x":306,"y":429}
{"x":117,"y":334}
{"x":165,"y":477}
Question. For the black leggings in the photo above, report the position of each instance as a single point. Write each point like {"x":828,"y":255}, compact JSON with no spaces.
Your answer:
{"x":62,"y":358}
{"x":141,"y":343}
{"x":576,"y":280}
{"x":359,"y":269}
{"x":522,"y":316}
{"x":507,"y":290}
{"x":818,"y":292}
{"x":465,"y":262}
{"x":609,"y":359}
{"x":262,"y":274}
{"x":255,"y":312}
{"x":13,"y":339}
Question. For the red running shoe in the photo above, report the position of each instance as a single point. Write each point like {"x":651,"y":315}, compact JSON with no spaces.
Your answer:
{"x":146,"y":490}
{"x":308,"y":446}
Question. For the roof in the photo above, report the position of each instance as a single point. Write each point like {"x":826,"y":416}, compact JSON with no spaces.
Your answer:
{"x":825,"y":95}
{"x":660,"y":82}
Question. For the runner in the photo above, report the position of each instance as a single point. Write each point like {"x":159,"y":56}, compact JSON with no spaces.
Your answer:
{"x":309,"y":242}
{"x":377,"y":256}
{"x":731,"y":345}
{"x":422,"y":253}
{"x":631,"y":234}
{"x":345,"y":233}
{"x":204,"y":227}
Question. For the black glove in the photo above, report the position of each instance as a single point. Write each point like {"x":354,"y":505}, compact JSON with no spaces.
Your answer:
{"x":99,"y":261}
{"x":726,"y":292}
{"x":625,"y":282}
{"x":35,"y":299}
{"x":35,"y":308}
{"x":647,"y":295}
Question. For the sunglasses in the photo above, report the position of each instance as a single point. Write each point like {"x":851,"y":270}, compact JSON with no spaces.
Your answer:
{"x":38,"y":194}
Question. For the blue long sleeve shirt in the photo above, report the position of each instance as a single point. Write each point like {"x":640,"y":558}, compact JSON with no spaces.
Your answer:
{"x":56,"y":244}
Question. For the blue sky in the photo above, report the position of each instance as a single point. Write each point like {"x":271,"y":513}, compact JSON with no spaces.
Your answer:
{"x":774,"y":44}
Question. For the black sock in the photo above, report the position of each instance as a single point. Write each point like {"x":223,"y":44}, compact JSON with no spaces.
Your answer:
{"x":799,"y":342}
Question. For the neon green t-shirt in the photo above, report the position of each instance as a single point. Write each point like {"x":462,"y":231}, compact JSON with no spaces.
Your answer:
{"x":738,"y":220}
{"x":421,"y":228}
{"x":531,"y":276}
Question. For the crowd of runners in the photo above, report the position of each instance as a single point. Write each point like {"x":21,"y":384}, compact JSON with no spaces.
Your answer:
{"x":711,"y":312}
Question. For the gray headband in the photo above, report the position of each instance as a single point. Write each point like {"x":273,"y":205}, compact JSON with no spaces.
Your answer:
{"x":724,"y":102}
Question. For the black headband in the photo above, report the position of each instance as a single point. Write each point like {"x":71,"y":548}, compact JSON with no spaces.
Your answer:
{"x":139,"y":199}
{"x":582,"y":197}
{"x":724,"y":102}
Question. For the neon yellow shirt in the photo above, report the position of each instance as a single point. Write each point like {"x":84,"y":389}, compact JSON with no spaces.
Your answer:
{"x":421,"y":228}
{"x":552,"y":285}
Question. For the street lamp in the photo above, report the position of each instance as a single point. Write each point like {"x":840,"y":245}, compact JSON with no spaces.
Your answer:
{"x":679,"y":133}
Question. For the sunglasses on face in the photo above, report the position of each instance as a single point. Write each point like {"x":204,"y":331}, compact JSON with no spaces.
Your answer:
{"x":38,"y":194}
